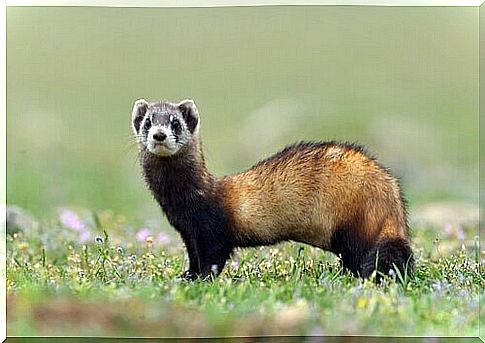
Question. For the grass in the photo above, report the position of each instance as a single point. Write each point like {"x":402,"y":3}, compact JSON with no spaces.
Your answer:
{"x":114,"y":285}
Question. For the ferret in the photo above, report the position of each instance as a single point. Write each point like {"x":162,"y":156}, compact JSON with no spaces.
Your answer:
{"x":330,"y":195}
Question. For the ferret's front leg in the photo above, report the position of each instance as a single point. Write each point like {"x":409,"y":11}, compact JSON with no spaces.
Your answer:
{"x":194,"y":263}
{"x":213,"y":252}
{"x":212,"y":265}
{"x":207,"y":254}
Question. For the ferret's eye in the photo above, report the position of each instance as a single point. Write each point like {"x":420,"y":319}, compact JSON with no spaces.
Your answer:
{"x":148,"y":123}
{"x":176,"y":125}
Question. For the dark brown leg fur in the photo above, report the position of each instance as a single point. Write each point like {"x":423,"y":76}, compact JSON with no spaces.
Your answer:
{"x":351,"y":247}
{"x":388,"y":254}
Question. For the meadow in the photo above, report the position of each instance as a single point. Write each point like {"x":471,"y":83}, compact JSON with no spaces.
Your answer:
{"x":96,"y":276}
{"x":90,"y":253}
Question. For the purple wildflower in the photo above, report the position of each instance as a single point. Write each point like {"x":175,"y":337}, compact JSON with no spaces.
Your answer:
{"x":142,"y":235}
{"x":449,"y":229}
{"x":163,"y":239}
{"x":84,"y":236}
{"x":235,"y":264}
{"x":454,"y":231}
{"x":392,"y":273}
{"x":71,"y":220}
{"x":460,"y":234}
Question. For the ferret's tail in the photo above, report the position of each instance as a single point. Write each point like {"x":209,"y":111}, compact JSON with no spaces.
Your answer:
{"x":389,"y":254}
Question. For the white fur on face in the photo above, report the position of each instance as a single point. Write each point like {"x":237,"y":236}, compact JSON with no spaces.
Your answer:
{"x":168,"y":147}
{"x":171,"y":144}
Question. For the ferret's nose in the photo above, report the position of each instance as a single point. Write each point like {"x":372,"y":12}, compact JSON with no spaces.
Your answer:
{"x":159,"y":136}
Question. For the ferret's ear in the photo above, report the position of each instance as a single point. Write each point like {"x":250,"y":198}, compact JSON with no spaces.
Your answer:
{"x":139,"y":110}
{"x":190,"y":113}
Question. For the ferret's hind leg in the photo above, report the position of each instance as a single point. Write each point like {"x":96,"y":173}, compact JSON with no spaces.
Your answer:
{"x":390,"y":252}
{"x":351,"y":245}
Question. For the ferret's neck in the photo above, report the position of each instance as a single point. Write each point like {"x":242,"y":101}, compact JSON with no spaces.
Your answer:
{"x":180,"y":180}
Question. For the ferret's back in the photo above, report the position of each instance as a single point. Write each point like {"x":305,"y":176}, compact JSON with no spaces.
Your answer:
{"x":308,"y":190}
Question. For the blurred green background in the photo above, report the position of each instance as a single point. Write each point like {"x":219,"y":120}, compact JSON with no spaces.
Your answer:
{"x":402,"y":81}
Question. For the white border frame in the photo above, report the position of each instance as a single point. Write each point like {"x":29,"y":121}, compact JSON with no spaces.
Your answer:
{"x":223,"y":3}
{"x":145,"y":3}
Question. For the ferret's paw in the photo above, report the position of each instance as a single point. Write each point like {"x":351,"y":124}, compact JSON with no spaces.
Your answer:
{"x":189,"y":275}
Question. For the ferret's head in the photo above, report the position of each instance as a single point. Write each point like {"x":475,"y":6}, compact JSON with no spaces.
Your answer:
{"x":164,"y":128}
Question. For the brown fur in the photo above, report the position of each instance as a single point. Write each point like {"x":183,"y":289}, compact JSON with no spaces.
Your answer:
{"x":308,"y":192}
